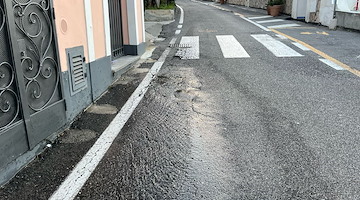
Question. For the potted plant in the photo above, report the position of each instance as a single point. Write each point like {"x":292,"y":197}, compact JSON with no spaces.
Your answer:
{"x":275,"y":7}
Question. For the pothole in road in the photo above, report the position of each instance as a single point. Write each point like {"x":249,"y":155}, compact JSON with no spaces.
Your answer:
{"x":189,"y":94}
{"x":78,"y":136}
{"x":188,"y":86}
{"x":103,"y":109}
{"x":161,"y":79}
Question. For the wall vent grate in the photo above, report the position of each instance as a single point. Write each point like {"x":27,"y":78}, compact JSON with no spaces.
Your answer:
{"x":77,"y":72}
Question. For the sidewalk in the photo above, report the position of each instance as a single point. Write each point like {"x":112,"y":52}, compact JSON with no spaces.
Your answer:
{"x":42,"y":176}
{"x":340,"y":44}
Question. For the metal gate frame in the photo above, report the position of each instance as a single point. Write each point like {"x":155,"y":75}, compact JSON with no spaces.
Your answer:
{"x":117,"y":43}
{"x":33,"y":50}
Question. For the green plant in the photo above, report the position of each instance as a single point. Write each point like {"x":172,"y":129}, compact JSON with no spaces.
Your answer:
{"x":164,"y":4}
{"x":275,"y":2}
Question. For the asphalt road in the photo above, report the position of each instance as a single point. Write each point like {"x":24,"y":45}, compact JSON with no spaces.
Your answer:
{"x":261,"y":127}
{"x":256,"y":127}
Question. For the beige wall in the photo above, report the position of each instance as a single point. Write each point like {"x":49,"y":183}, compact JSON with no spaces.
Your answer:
{"x":70,"y":27}
{"x":140,"y":21}
{"x":125,"y":25}
{"x":97,"y":12}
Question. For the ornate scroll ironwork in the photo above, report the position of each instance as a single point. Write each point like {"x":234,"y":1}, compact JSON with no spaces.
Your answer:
{"x":38,"y":57}
{"x":9,"y":101}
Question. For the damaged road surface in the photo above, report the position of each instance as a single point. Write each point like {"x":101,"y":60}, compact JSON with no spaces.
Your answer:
{"x":226,"y":117}
{"x":240,"y":123}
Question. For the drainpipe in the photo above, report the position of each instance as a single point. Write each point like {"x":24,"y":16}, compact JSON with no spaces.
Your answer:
{"x":334,"y":15}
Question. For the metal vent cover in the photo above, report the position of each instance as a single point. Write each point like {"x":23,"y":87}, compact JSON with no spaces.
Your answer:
{"x":77,"y":72}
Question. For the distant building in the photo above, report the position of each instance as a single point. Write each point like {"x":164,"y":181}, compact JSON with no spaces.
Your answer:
{"x":332,"y":13}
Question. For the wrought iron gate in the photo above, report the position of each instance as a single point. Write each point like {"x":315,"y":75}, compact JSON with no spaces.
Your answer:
{"x":31,"y":102}
{"x":117,"y":46}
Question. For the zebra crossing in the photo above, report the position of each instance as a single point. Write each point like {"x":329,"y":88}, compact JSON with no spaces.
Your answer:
{"x":191,"y":50}
{"x":189,"y":47}
{"x":231,"y":48}
{"x":278,"y":48}
{"x":265,"y":20}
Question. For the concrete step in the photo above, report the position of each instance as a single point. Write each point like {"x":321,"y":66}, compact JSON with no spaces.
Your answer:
{"x":123,"y":64}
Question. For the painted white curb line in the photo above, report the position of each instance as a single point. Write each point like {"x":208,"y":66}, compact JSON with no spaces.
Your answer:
{"x":80,"y":174}
{"x":181,"y":21}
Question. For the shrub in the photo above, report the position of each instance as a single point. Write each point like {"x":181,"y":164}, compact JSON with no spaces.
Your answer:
{"x":164,"y":4}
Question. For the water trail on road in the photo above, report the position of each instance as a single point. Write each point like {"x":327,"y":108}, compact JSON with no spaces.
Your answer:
{"x":210,"y":173}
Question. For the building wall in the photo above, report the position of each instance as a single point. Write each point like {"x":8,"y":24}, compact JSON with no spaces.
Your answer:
{"x":125,"y":25}
{"x":326,"y":12}
{"x":86,"y":23}
{"x":348,"y":20}
{"x":258,"y":3}
{"x":238,"y":2}
{"x":261,"y":4}
{"x":77,"y":31}
{"x":347,"y":6}
{"x":140,"y":14}
{"x":99,"y":28}
{"x":70,"y":32}
{"x":288,"y":7}
{"x":135,"y":45}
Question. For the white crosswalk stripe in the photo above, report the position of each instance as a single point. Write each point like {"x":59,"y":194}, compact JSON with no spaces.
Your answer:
{"x":191,"y":50}
{"x":300,"y":46}
{"x":270,"y":21}
{"x":281,"y":37}
{"x":278,"y":48}
{"x":284,"y":26}
{"x":230,"y":47}
{"x":331,"y":64}
{"x":256,"y":24}
{"x":189,"y":47}
{"x":260,"y":17}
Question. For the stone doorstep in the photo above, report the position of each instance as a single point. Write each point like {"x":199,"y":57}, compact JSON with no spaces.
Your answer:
{"x":122,"y":65}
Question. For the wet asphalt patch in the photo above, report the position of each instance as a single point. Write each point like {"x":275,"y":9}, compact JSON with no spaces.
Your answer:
{"x":149,"y":158}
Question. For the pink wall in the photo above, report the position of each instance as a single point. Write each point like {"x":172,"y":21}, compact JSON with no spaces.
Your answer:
{"x":98,"y":27}
{"x":125,"y":27}
{"x":140,"y":20}
{"x":70,"y":27}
